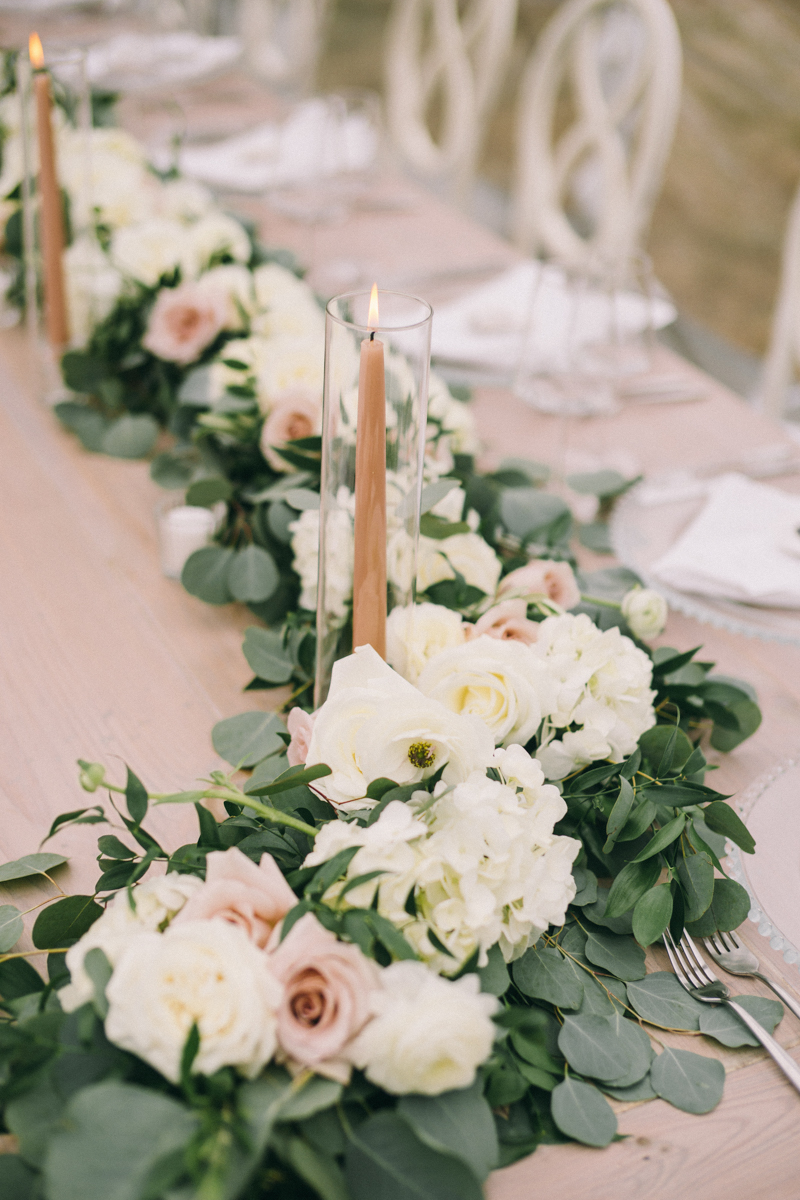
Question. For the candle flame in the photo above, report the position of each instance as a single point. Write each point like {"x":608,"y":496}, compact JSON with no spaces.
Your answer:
{"x":35,"y":51}
{"x":373,"y":320}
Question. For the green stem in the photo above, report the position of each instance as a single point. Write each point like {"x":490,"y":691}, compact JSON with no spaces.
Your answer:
{"x":262,"y":810}
{"x":603,"y":603}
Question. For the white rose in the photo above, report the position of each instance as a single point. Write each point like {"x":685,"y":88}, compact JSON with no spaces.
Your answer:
{"x":206,"y":973}
{"x":645,"y":611}
{"x":502,"y":682}
{"x":149,"y":250}
{"x":212,"y":236}
{"x":428,"y":1035}
{"x":155,"y":903}
{"x":290,"y":364}
{"x":376,"y":725}
{"x":417,"y":633}
{"x":236,"y":283}
{"x":466,"y":553}
{"x":184,"y":200}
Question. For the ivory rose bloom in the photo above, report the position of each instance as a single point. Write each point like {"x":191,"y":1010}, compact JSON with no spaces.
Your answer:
{"x":295,"y":414}
{"x":466,"y":553}
{"x":376,"y":725}
{"x":428,"y":1035}
{"x":507,"y":621}
{"x":183,"y":321}
{"x":645,"y":611}
{"x":501,"y":682}
{"x":541,"y":577}
{"x":148,"y":250}
{"x":205,"y":973}
{"x":214,"y":236}
{"x":417,"y":633}
{"x":156,"y":902}
{"x":326,"y":1002}
{"x":253,"y":897}
{"x":300,"y":724}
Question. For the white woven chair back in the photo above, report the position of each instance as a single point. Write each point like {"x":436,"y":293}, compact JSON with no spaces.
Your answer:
{"x":783,"y":355}
{"x":586,"y":189}
{"x":457,"y":53}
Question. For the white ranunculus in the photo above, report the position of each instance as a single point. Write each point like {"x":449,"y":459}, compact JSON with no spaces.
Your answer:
{"x":376,"y":725}
{"x":206,"y":973}
{"x":645,"y":611}
{"x":213,"y":236}
{"x":417,"y":633}
{"x":502,"y":682}
{"x":428,"y":1035}
{"x":156,"y":902}
{"x":601,"y":684}
{"x":467,"y":553}
{"x":149,"y":250}
{"x":93,"y":285}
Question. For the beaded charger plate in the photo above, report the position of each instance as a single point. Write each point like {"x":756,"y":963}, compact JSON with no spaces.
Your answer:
{"x":770,"y":806}
{"x":641,"y":533}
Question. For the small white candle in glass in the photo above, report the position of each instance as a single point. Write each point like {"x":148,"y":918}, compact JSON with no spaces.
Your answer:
{"x":182,"y":529}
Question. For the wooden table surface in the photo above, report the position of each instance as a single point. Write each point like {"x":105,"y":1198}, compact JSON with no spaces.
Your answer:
{"x":103,"y":658}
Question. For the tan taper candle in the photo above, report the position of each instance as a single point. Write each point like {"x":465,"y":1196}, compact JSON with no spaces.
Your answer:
{"x":51,"y":213}
{"x":369,"y":566}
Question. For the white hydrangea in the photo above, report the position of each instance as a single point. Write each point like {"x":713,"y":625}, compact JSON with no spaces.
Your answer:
{"x":156,"y":902}
{"x":456,"y":419}
{"x":427,"y":1035}
{"x":419,"y":632}
{"x":601,"y":683}
{"x":214,"y":234}
{"x":338,"y":556}
{"x":93,"y":285}
{"x":467,"y":553}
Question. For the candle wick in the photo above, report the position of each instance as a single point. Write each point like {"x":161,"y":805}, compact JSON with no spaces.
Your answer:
{"x":372,"y":336}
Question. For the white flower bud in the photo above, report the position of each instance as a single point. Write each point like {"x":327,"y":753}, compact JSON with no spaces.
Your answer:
{"x":645,"y":611}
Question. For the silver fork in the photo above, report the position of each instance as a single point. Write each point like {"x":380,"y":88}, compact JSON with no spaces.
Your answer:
{"x":700,"y":981}
{"x":729,"y":953}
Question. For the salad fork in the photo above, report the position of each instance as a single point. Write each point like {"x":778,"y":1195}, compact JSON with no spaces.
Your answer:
{"x":696,"y":976}
{"x":729,"y":953}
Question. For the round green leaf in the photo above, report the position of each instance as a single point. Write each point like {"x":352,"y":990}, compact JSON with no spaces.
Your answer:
{"x":616,"y":953}
{"x":385,"y":1158}
{"x":546,"y":975}
{"x":696,"y":876}
{"x":661,"y":999}
{"x":205,"y":492}
{"x":458,"y":1123}
{"x":597,"y":483}
{"x":729,"y":906}
{"x":205,"y":574}
{"x":252,"y":575}
{"x":244,"y":740}
{"x":266,"y":654}
{"x":651,"y":914}
{"x":601,"y":1048}
{"x":494,"y":977}
{"x":526,"y":510}
{"x":654,"y":742}
{"x":10,"y":927}
{"x":748,"y":716}
{"x":582,"y":1113}
{"x":719,"y":1022}
{"x":30,"y":864}
{"x":643,"y":1090}
{"x":130,"y":436}
{"x":170,"y":471}
{"x":691,"y":1082}
{"x":62,"y":923}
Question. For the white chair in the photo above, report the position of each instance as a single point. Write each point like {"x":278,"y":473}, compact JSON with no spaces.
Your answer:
{"x":586,"y":192}
{"x":431,"y":50}
{"x":783,"y":355}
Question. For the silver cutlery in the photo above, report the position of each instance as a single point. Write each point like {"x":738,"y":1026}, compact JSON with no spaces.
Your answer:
{"x":694,"y":974}
{"x":729,"y":953}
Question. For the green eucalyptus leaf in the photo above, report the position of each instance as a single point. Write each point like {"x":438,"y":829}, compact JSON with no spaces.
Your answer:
{"x":313,"y":1096}
{"x":619,"y":813}
{"x":318,"y":1169}
{"x":585,"y":886}
{"x":652,"y":914}
{"x":545,"y":975}
{"x":171,"y":471}
{"x":252,"y":575}
{"x":526,"y":510}
{"x":581,"y":1112}
{"x":17,"y":1180}
{"x":720,"y":817}
{"x":596,"y":536}
{"x":600,"y":1047}
{"x":654,"y":743}
{"x":640,"y":820}
{"x":691,"y":1082}
{"x":30,"y":864}
{"x":205,"y":574}
{"x":385,"y":1158}
{"x":203,"y":493}
{"x":135,"y":797}
{"x":616,"y":953}
{"x":266,"y":654}
{"x":633,"y":881}
{"x":643,"y":1090}
{"x":719,"y":1022}
{"x":748,"y":719}
{"x":596,"y":913}
{"x":729,"y":906}
{"x":666,"y":835}
{"x":131,"y":436}
{"x":10,"y":927}
{"x":458,"y":1123}
{"x":18,"y":978}
{"x":63,"y":922}
{"x":597,"y":483}
{"x":494,"y":977}
{"x":696,"y":875}
{"x":660,"y":999}
{"x":244,"y":740}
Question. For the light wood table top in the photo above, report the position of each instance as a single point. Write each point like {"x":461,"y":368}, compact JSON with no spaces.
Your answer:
{"x":103,"y":658}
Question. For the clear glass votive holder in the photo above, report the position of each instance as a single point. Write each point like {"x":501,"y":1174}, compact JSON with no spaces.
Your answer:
{"x":182,"y":529}
{"x":404,"y":329}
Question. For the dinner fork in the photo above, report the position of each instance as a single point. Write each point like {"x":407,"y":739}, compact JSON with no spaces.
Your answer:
{"x":729,"y":953}
{"x":700,"y":981}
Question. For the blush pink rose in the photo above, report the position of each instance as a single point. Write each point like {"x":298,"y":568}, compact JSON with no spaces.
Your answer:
{"x":183,"y":321}
{"x":542,"y":577}
{"x":508,"y":621}
{"x":294,"y":415}
{"x":300,"y":725}
{"x":327,"y":989}
{"x":236,"y":890}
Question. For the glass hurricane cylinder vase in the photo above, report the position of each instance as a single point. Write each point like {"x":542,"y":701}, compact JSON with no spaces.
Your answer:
{"x":404,"y":330}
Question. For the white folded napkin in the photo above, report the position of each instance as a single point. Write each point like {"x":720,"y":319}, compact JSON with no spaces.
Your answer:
{"x":131,"y":62}
{"x":492,"y":325}
{"x":312,"y":143}
{"x":743,"y":546}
